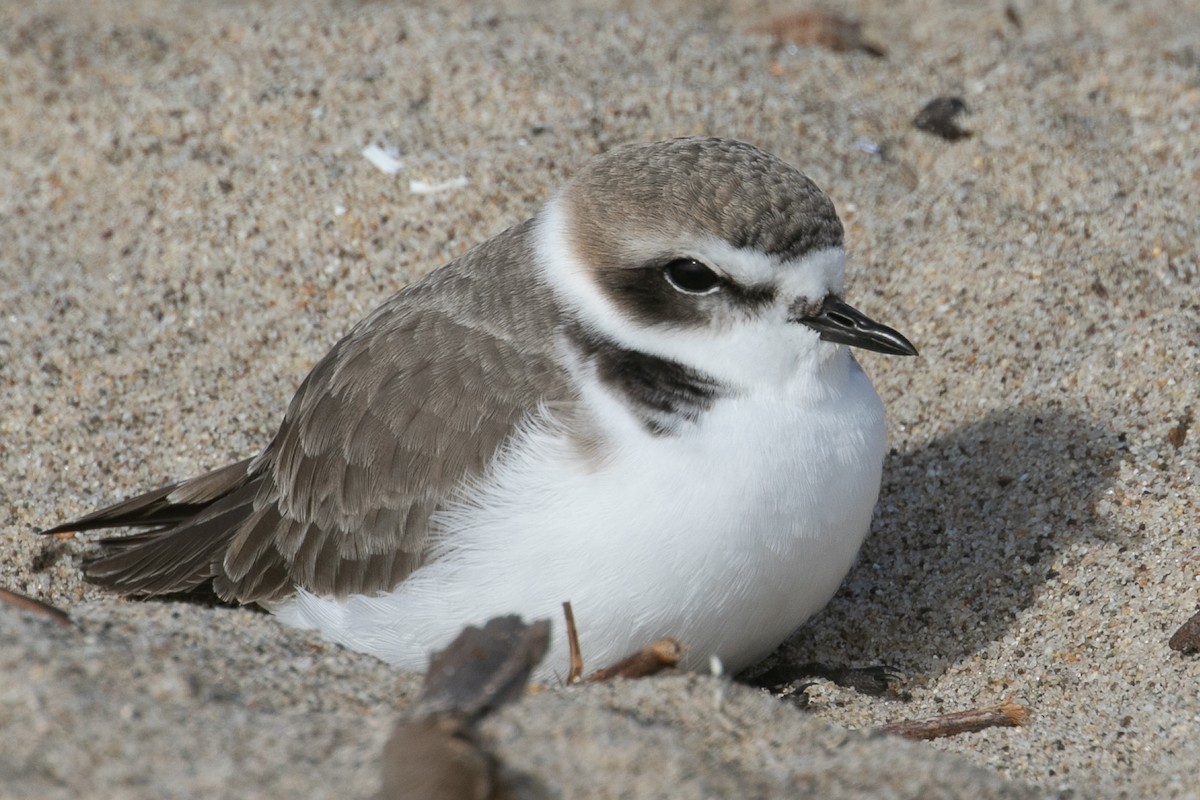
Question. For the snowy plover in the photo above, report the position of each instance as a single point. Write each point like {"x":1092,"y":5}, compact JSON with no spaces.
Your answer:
{"x":640,"y":400}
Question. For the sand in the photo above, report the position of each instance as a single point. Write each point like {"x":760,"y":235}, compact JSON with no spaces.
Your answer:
{"x":188,"y":223}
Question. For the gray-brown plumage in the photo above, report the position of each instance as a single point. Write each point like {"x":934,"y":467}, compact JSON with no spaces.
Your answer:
{"x":420,"y":395}
{"x":416,"y":397}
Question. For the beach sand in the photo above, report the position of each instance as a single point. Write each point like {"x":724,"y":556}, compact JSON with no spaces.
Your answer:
{"x":188,"y":222}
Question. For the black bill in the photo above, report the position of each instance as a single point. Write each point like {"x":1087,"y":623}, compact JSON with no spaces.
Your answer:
{"x":841,"y":323}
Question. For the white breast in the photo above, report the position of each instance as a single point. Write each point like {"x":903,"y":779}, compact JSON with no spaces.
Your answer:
{"x":726,"y":537}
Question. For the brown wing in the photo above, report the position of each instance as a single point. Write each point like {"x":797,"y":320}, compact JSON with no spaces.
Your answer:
{"x":383,"y":429}
{"x":380,"y":432}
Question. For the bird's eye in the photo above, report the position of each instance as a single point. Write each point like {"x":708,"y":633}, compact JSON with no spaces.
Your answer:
{"x":690,"y":276}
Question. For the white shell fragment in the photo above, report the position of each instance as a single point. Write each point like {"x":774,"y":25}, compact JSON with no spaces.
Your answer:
{"x":421,"y":187}
{"x":387,"y":159}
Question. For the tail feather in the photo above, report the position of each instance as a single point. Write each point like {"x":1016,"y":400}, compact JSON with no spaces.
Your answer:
{"x":169,"y":505}
{"x":191,"y":525}
{"x":174,"y":559}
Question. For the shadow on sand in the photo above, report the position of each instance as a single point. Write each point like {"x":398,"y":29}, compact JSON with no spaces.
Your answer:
{"x":965,"y":536}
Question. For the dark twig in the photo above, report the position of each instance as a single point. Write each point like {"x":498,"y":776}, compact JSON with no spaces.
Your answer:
{"x":651,"y":659}
{"x":575,"y":669}
{"x":1004,"y":715}
{"x":36,"y":606}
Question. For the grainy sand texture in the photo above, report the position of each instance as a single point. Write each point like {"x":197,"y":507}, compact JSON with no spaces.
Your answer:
{"x":187,"y":222}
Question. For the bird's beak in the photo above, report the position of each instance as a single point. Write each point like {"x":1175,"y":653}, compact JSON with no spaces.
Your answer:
{"x":841,"y":323}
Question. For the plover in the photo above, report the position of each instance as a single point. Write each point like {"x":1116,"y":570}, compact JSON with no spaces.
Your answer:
{"x":640,"y":400}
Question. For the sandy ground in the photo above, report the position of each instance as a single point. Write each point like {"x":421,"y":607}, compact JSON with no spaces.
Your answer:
{"x":187,"y":224}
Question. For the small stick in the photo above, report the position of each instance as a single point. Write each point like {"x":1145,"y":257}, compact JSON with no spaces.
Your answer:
{"x":36,"y":606}
{"x":651,"y":659}
{"x":576,"y":668}
{"x":1005,"y":715}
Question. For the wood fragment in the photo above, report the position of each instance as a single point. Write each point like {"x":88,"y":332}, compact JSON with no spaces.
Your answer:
{"x":36,"y":606}
{"x":438,"y":759}
{"x":651,"y":659}
{"x":1004,"y":715}
{"x":483,"y":668}
{"x":575,"y":669}
{"x":435,"y":751}
{"x":661,"y":654}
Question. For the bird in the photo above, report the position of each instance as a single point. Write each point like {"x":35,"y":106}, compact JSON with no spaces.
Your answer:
{"x":642,"y":401}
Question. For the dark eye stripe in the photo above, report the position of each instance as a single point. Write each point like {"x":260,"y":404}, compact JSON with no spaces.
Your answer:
{"x":646,"y":295}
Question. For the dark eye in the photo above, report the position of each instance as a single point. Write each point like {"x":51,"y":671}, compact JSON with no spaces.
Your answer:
{"x":689,"y":275}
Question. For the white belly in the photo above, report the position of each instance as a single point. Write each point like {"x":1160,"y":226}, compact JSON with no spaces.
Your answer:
{"x":726,"y":537}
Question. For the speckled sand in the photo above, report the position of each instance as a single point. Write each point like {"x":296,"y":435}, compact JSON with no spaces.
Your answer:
{"x":187,"y":223}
